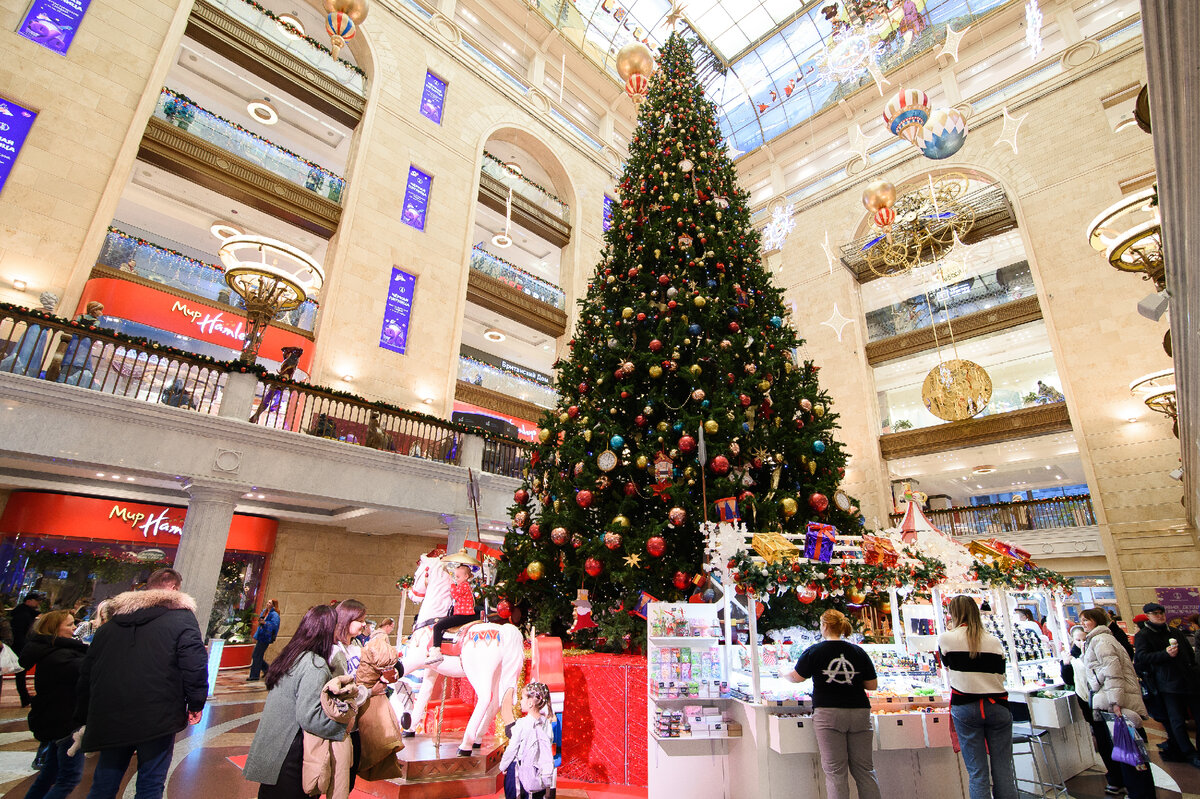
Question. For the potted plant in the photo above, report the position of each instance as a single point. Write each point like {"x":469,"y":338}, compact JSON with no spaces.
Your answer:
{"x":902,"y":424}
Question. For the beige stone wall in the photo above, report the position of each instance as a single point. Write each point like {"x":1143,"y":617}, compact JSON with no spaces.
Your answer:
{"x":1067,"y":171}
{"x":314,"y":564}
{"x":55,"y":203}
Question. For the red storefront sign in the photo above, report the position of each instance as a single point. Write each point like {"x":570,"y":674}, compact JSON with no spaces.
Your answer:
{"x":526,"y":430}
{"x":66,"y":516}
{"x":187,"y":317}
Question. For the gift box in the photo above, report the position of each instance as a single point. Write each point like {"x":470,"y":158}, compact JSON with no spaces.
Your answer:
{"x":888,"y":556}
{"x":980,"y":549}
{"x":773,"y":547}
{"x":727,"y":509}
{"x":870,"y":550}
{"x":818,"y":541}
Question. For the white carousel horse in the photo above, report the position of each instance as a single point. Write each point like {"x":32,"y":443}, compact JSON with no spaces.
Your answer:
{"x":492,"y":656}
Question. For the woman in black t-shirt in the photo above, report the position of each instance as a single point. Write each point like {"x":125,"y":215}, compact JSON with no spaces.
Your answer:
{"x":842,"y":673}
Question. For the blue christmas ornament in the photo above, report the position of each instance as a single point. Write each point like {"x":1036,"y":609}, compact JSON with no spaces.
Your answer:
{"x":617,"y":442}
{"x":678,"y":426}
{"x":694,"y":329}
{"x":712,"y":284}
{"x":746,"y":427}
{"x":777,"y":321}
{"x":704,"y":404}
{"x":818,"y":447}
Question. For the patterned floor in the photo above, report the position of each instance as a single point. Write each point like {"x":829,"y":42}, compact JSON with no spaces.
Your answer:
{"x":208,"y":756}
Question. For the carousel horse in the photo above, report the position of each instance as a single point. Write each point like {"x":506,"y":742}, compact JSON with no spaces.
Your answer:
{"x":491,"y":656}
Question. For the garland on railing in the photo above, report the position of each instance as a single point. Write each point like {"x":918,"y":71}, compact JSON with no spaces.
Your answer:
{"x":143,"y":243}
{"x":515,"y":173}
{"x":184,"y":98}
{"x":833,"y":579}
{"x":516,"y":268}
{"x":1022,"y":577}
{"x":507,"y":373}
{"x":303,"y":35}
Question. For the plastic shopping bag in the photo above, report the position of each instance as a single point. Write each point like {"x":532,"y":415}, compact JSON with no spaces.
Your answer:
{"x":8,"y":660}
{"x":1126,"y":748}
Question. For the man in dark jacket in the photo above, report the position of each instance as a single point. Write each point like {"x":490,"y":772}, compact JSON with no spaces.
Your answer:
{"x":1167,"y":655}
{"x":144,"y":679}
{"x":22,"y":619}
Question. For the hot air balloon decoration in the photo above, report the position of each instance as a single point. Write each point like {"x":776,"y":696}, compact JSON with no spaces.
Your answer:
{"x":906,"y":113}
{"x":635,"y":65}
{"x":342,"y":21}
{"x":943,"y":134}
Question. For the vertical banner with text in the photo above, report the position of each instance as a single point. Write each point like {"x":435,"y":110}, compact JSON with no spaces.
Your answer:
{"x":433,"y":98}
{"x":15,"y":123}
{"x":53,"y":23}
{"x":416,"y":198}
{"x":397,"y":311}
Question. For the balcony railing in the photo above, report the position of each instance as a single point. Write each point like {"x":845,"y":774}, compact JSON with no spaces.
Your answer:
{"x":495,"y":168}
{"x":1014,"y":517}
{"x":181,"y":112}
{"x":478,"y":373}
{"x":158,"y":265}
{"x":507,"y":458}
{"x":49,"y":348}
{"x":511,"y":275}
{"x":304,"y":48}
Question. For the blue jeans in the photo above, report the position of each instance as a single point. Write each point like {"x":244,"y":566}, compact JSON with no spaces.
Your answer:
{"x":60,"y":774}
{"x":985,"y":735}
{"x":154,"y":759}
{"x":257,"y":662}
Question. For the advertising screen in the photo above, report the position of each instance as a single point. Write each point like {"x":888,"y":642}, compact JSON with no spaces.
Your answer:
{"x":433,"y":98}
{"x":416,"y":198}
{"x":15,"y":123}
{"x":53,"y":23}
{"x":395,"y":314}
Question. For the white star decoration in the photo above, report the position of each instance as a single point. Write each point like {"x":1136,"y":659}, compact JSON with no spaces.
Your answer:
{"x":1011,"y":126}
{"x":950,"y":47}
{"x":880,"y":80}
{"x":829,"y":256}
{"x":836,"y":322}
{"x":860,"y":144}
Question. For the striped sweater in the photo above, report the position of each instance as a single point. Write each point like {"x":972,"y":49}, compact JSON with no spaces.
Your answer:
{"x":973,"y":678}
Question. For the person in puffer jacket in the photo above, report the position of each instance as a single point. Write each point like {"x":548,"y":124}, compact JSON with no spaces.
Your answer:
{"x":1113,"y":687}
{"x":53,"y":649}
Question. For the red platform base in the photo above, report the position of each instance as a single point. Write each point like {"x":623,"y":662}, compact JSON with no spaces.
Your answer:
{"x":604,"y":721}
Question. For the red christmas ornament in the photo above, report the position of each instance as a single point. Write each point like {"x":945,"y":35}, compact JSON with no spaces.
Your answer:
{"x":584,"y":499}
{"x":612,"y":540}
{"x":677,"y":516}
{"x":503,"y":609}
{"x":593,"y":567}
{"x":806,"y":595}
{"x":734,"y":327}
{"x":583,"y":388}
{"x":681,"y":580}
{"x":630,"y":489}
{"x":745,"y":400}
{"x":687,"y":443}
{"x":520,"y":496}
{"x":573,"y":411}
{"x":559,"y":535}
{"x":819,"y":502}
{"x":656,"y":545}
{"x":655,"y":345}
{"x":535,"y":532}
{"x":720,"y":465}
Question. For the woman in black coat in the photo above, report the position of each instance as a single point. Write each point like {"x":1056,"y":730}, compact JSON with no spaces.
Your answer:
{"x":57,"y":655}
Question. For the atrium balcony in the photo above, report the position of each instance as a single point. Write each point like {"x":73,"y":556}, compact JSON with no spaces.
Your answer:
{"x":257,"y":41}
{"x":533,"y":207}
{"x":192,"y":142}
{"x":497,"y":285}
{"x":1034,"y":420}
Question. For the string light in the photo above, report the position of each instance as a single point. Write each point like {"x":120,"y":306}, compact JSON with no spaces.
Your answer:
{"x":1033,"y":28}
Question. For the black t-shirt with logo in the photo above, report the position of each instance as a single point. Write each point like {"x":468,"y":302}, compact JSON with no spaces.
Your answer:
{"x":838,"y":670}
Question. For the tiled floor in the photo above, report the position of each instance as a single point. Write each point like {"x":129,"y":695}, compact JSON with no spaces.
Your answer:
{"x":207,"y":757}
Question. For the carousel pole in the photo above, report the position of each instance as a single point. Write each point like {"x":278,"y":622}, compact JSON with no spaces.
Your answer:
{"x":897,"y":626}
{"x":1006,"y":619}
{"x":752,"y":618}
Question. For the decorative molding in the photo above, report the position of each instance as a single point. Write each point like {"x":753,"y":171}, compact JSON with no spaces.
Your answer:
{"x":497,"y":401}
{"x":214,"y":28}
{"x":191,"y":157}
{"x":100,"y":270}
{"x":488,"y":292}
{"x":1081,"y":53}
{"x":980,"y":323}
{"x":1024,"y":423}
{"x":494,"y":195}
{"x":227,"y":461}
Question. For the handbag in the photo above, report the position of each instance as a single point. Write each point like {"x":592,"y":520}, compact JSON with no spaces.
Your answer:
{"x":1128,"y":747}
{"x":8,"y":660}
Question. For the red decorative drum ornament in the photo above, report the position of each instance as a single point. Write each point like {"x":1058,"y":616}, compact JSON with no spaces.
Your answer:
{"x":636,"y":87}
{"x":884,"y":217}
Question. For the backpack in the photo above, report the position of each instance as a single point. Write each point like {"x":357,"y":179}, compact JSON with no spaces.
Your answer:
{"x":535,"y":771}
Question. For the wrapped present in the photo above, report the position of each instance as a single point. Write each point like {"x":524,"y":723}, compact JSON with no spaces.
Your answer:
{"x":1017,"y":552}
{"x":888,"y":556}
{"x":818,"y":541}
{"x":1011,"y":550}
{"x":870,"y":550}
{"x":773,"y":547}
{"x":727,"y":509}
{"x":984,"y":549}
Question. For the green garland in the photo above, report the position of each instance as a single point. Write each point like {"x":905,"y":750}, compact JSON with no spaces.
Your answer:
{"x":1022,"y":577}
{"x":514,"y":267}
{"x":537,"y":186}
{"x":784,"y":576}
{"x":184,"y":98}
{"x":303,"y":35}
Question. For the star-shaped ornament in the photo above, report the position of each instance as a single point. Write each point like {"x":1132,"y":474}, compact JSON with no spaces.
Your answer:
{"x":860,"y":144}
{"x":633,"y":560}
{"x":1011,"y":126}
{"x":950,"y":46}
{"x":674,"y":15}
{"x":877,"y":75}
{"x":836,"y":322}
{"x":829,"y":256}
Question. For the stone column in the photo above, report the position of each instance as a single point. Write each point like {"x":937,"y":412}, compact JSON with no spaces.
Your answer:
{"x":237,"y":399}
{"x":202,"y":545}
{"x":472,"y":454}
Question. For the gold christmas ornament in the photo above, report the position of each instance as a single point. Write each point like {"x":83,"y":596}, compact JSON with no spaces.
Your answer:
{"x":535,"y":570}
{"x":655,"y":371}
{"x":788,"y":506}
{"x":635,"y":58}
{"x":956,"y":389}
{"x":878,"y":194}
{"x":711,"y":426}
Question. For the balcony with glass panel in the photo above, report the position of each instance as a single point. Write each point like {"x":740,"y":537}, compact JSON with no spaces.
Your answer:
{"x":533,"y":206}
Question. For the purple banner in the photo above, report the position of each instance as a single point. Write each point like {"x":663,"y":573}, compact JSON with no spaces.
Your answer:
{"x":53,"y":23}
{"x":1180,"y":604}
{"x":608,"y":212}
{"x":433,"y":98}
{"x":15,"y":123}
{"x":416,"y":198}
{"x":397,"y":311}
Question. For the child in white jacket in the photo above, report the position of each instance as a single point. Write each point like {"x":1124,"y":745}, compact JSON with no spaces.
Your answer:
{"x":528,"y":762}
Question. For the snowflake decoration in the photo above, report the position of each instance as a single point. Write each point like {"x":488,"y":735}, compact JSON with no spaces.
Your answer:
{"x":781,"y":224}
{"x":848,"y":54}
{"x":1033,"y":28}
{"x":721,"y":542}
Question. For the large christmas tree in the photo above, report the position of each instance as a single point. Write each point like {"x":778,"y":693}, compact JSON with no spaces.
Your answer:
{"x":681,"y":331}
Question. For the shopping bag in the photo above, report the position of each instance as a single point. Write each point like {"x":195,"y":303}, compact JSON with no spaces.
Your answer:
{"x":1125,"y":742}
{"x":8,"y":660}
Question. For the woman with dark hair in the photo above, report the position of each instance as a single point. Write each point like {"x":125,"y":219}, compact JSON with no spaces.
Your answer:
{"x":294,"y":683}
{"x":974,"y":662}
{"x":51,"y":647}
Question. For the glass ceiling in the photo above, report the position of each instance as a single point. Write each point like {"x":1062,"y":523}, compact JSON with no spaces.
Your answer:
{"x":779,"y":52}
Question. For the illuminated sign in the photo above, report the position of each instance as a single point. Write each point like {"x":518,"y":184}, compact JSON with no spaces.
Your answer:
{"x":416,"y":198}
{"x":15,"y":123}
{"x":433,"y":99}
{"x":53,"y":23}
{"x":149,"y":523}
{"x":608,"y":213}
{"x":397,"y":311}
